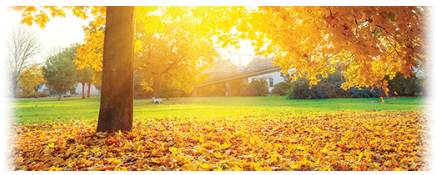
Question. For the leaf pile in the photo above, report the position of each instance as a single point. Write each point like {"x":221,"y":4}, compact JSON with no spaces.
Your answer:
{"x":376,"y":140}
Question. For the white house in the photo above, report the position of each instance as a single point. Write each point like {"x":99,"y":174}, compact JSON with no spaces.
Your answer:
{"x":43,"y":88}
{"x":271,"y":78}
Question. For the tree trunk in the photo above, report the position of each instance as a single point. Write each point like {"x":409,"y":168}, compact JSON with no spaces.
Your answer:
{"x":194,"y":92}
{"x":83,"y":90}
{"x":116,"y":102}
{"x":227,"y":89}
{"x":157,"y":78}
{"x":60,"y":96}
{"x":14,"y":86}
{"x":89,"y":90}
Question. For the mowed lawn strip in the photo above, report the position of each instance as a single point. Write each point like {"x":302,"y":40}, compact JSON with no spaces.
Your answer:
{"x":35,"y":111}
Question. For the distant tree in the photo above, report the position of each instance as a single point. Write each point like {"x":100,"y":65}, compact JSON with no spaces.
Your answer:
{"x":60,"y":71}
{"x":174,"y":57}
{"x":22,"y":45}
{"x":31,"y":78}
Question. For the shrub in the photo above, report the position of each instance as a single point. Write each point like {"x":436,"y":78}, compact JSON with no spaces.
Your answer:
{"x":256,"y":88}
{"x":364,"y":92}
{"x":32,"y":94}
{"x":211,"y":90}
{"x":281,"y":88}
{"x":406,"y":86}
{"x":42,"y":94}
{"x":329,"y":87}
{"x":236,"y":86}
{"x":299,"y":89}
{"x":22,"y":94}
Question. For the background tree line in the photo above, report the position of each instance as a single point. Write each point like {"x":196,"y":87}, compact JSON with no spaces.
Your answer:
{"x":329,"y":87}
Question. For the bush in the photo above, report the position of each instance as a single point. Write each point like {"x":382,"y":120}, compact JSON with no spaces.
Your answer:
{"x":281,"y":88}
{"x":42,"y":94}
{"x":410,"y":86}
{"x":211,"y":90}
{"x":364,"y":92}
{"x":329,"y":87}
{"x":256,"y":88}
{"x":236,"y":86}
{"x":32,"y":94}
{"x":299,"y":90}
{"x":22,"y":94}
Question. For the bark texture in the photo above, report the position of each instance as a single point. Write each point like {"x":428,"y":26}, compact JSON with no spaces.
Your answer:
{"x":89,"y":90}
{"x":116,"y":102}
{"x":83,"y":90}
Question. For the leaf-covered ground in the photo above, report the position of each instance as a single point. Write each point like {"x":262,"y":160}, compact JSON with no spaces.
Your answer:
{"x":367,"y":140}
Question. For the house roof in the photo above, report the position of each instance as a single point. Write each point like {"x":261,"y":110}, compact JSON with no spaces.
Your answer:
{"x":224,"y":65}
{"x":258,"y":62}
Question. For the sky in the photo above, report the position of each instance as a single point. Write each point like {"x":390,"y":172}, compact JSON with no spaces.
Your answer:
{"x":59,"y":32}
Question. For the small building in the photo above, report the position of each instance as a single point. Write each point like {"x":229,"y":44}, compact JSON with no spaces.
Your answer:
{"x":43,"y":88}
{"x":271,"y":78}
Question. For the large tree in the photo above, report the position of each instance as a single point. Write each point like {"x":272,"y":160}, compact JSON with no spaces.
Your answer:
{"x":174,"y":56}
{"x":116,"y":102}
{"x":366,"y":43}
{"x":23,"y":44}
{"x":159,"y":33}
{"x":59,"y":70}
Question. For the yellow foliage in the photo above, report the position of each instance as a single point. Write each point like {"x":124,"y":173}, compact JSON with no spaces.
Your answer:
{"x":30,"y":78}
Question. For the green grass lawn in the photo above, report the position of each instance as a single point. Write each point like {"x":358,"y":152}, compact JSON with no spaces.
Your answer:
{"x":35,"y":111}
